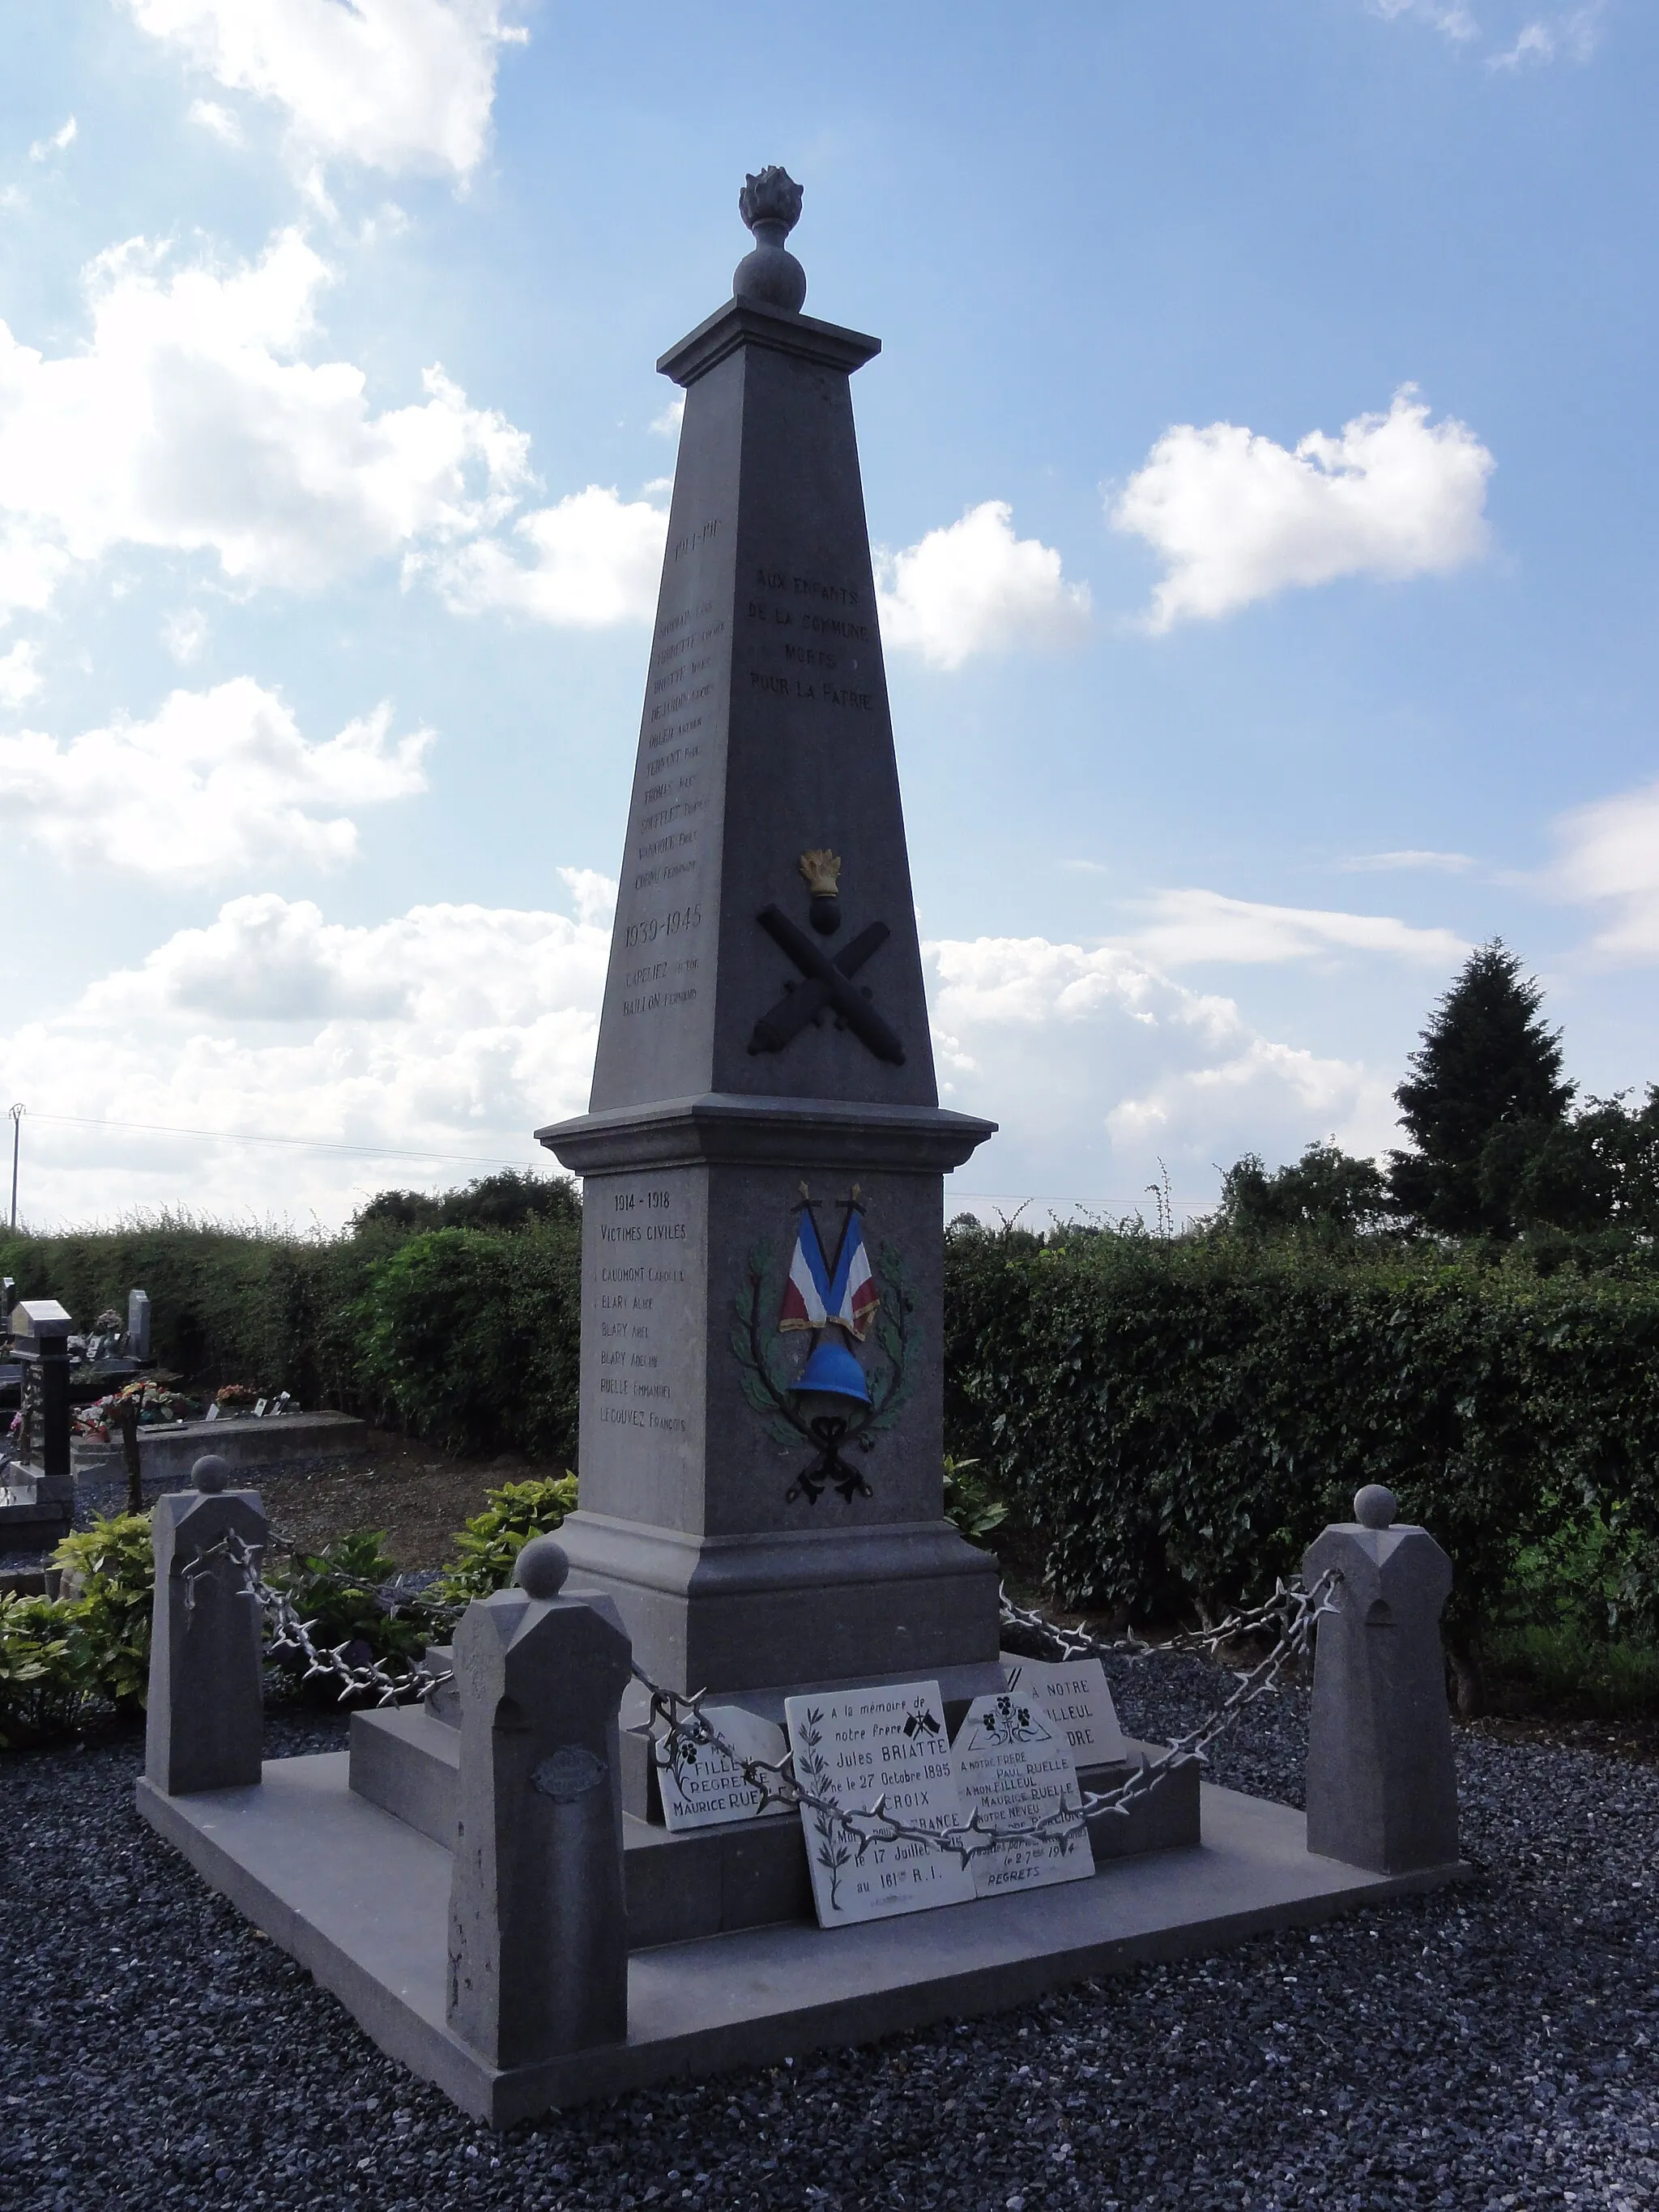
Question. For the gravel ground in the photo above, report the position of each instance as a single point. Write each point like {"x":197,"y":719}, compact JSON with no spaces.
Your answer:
{"x":1494,"y":2045}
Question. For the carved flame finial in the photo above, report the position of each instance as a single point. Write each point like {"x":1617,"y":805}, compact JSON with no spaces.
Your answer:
{"x":773,"y":198}
{"x":770,"y":276}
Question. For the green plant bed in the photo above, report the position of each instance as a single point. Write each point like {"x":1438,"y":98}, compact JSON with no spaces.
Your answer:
{"x":1565,"y":1667}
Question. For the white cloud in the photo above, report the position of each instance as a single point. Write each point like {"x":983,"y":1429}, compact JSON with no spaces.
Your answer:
{"x":216,"y":784}
{"x":1192,"y":925}
{"x":20,"y":679}
{"x":1237,"y":518}
{"x":392,"y":84}
{"x":59,"y":142}
{"x":1610,"y":857}
{"x":593,"y":560}
{"x":211,"y":116}
{"x":1573,"y":35}
{"x":667,"y":424}
{"x":1450,"y":17}
{"x":1411,"y":857}
{"x":974,"y":587}
{"x":459,"y":1028}
{"x":188,"y":421}
{"x":455,"y":1030}
{"x":1098,"y":1067}
{"x":185,"y":632}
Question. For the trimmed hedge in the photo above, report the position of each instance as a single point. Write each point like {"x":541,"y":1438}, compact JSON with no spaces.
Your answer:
{"x":1173,"y":1421}
{"x":1176,"y":1421}
{"x":467,"y":1337}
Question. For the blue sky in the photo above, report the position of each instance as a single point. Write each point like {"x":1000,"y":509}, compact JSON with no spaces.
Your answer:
{"x":1261,"y":459}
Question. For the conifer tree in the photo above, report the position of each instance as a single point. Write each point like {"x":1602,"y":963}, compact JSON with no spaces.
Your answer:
{"x":1484,"y":1083}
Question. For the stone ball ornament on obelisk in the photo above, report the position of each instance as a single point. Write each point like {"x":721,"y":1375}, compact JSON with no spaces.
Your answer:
{"x":764,"y":1149}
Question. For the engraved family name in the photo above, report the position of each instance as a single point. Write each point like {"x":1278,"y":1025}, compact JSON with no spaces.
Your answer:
{"x":702,"y":1787}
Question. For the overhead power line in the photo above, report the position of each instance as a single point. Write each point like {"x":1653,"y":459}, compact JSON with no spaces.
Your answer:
{"x":254,"y":1137}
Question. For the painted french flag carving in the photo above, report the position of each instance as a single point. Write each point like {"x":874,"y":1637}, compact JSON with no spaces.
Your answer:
{"x":816,"y":1294}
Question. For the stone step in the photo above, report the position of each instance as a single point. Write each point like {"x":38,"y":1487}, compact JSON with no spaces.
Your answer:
{"x":746,"y":1874}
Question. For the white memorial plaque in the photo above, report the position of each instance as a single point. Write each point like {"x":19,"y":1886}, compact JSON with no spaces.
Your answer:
{"x":1013,"y":1766}
{"x":701,"y":1787}
{"x":857,"y":1746}
{"x":1077,"y":1699}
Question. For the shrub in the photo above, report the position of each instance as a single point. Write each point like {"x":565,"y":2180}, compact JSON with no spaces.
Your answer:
{"x":1177,"y":1420}
{"x":968,"y":1501}
{"x":487,"y":1549}
{"x":108,"y":1583}
{"x":336,"y":1592}
{"x":473,"y":1339}
{"x":44,"y":1677}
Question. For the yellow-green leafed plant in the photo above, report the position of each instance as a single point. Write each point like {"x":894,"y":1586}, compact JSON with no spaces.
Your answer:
{"x":969,"y":1500}
{"x":487,"y":1547}
{"x":44,"y":1680}
{"x":109,"y":1578}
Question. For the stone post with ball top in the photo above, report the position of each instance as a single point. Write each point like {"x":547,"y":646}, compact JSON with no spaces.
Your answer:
{"x":537,"y":1919}
{"x":205,"y":1727}
{"x":1380,"y":1789}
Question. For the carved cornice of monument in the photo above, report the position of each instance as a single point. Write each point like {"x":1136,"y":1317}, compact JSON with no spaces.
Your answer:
{"x":746,"y":322}
{"x":731,"y":1128}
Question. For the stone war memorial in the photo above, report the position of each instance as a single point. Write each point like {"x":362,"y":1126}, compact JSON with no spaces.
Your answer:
{"x":740,"y":1766}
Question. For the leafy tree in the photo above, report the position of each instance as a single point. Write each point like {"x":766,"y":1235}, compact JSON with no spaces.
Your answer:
{"x":1327,"y":1193}
{"x":1484,"y":1097}
{"x":512,"y":1200}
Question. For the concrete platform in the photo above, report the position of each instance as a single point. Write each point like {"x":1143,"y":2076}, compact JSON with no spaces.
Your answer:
{"x":361,"y":1899}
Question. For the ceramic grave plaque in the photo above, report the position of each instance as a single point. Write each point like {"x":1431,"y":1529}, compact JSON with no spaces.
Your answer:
{"x":701,"y":1787}
{"x":1012,"y":1764}
{"x":858,"y":1746}
{"x":1077,"y":1700}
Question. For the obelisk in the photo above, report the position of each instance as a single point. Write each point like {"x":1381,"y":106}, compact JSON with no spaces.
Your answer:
{"x":763,"y":1152}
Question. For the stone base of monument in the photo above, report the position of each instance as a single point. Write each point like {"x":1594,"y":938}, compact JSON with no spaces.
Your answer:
{"x":710,"y":1882}
{"x":361,"y":1899}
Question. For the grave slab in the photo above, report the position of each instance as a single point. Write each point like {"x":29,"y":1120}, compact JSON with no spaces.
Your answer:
{"x":361,"y":1900}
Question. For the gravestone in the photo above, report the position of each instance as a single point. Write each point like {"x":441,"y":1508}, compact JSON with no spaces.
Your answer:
{"x":700,"y":1786}
{"x":138,"y":1325}
{"x":764,"y":1148}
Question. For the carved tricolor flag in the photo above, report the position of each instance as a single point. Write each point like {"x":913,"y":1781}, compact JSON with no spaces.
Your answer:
{"x":815,"y":1296}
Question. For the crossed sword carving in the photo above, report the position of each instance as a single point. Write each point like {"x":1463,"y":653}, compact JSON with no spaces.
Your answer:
{"x":828,"y":982}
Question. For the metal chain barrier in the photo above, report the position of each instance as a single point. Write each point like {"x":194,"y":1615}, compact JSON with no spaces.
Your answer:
{"x":289,"y":1632}
{"x":1291,"y":1615}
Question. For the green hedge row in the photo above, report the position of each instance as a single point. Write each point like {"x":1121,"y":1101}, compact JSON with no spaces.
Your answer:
{"x":1172,"y":1421}
{"x":1176,"y":1421}
{"x":466,"y":1336}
